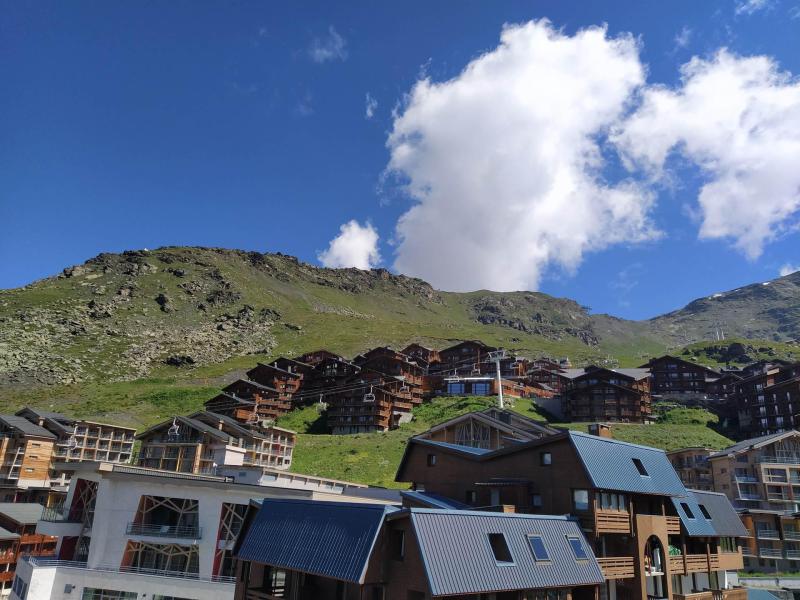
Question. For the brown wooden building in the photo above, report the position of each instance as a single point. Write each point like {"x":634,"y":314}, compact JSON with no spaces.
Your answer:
{"x":378,"y":552}
{"x":601,"y":394}
{"x":369,"y":402}
{"x":489,"y":429}
{"x":675,"y":377}
{"x":768,"y":401}
{"x":652,"y":537}
{"x":26,"y":457}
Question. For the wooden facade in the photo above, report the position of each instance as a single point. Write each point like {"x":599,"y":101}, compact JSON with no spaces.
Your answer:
{"x":768,"y":401}
{"x":369,"y":402}
{"x":600,"y":394}
{"x":633,"y":534}
{"x":693,"y":467}
{"x":673,"y":376}
{"x":203,"y":441}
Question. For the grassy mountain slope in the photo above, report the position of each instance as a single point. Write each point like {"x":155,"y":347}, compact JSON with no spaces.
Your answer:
{"x":373,"y":458}
{"x":137,"y":336}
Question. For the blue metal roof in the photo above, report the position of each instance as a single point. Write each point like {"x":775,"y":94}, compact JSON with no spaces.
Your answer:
{"x":696,"y":525}
{"x":331,"y":539}
{"x":609,"y":464}
{"x":724,"y":518}
{"x":433,"y":500}
{"x":458,"y":557}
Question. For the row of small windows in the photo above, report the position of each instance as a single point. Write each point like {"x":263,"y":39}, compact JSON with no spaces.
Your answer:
{"x":502,"y":553}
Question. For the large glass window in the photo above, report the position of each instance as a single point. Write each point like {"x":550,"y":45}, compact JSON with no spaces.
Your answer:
{"x":100,"y":594}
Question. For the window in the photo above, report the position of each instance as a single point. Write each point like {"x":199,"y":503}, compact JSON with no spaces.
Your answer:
{"x":536,"y":500}
{"x":580,"y":499}
{"x":471,"y":496}
{"x":431,"y":460}
{"x":398,"y":541}
{"x":577,"y":548}
{"x":99,"y":594}
{"x":609,"y":501}
{"x":640,"y":467}
{"x":537,"y":548}
{"x":704,"y":510}
{"x":545,"y":459}
{"x":500,"y":548}
{"x":687,"y":510}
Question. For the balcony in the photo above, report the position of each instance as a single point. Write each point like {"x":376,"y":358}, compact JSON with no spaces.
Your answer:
{"x":707,"y":595}
{"x":768,"y":534}
{"x":746,"y":479}
{"x":738,"y":593}
{"x":673,"y":525}
{"x":792,"y":554}
{"x":612,"y":521}
{"x":693,"y":563}
{"x":618,"y":567}
{"x":175,"y":531}
{"x":770,"y":553}
{"x":780,"y":460}
{"x":788,"y":534}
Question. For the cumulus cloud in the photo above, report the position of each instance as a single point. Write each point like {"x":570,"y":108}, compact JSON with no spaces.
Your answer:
{"x":748,"y":7}
{"x":788,"y":269}
{"x":371,"y":105}
{"x":355,"y":246}
{"x":504,"y":161}
{"x":328,"y":48}
{"x":738,"y":119}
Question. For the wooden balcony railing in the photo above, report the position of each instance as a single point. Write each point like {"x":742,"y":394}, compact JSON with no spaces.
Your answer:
{"x":617,"y":567}
{"x":730,"y":594}
{"x":673,"y":525}
{"x":612,"y":521}
{"x":708,"y":595}
{"x":693,"y":563}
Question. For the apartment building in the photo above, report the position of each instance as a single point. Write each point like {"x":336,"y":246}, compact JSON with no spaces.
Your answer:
{"x":26,"y":455}
{"x":131,"y":532}
{"x":18,"y":537}
{"x":369,"y":402}
{"x":653,"y":538}
{"x":390,"y":363}
{"x":761,"y":477}
{"x":411,"y":553}
{"x":204,"y":441}
{"x":768,"y":399}
{"x":676,"y":377}
{"x":693,"y":467}
{"x":78,"y":440}
{"x":600,"y":394}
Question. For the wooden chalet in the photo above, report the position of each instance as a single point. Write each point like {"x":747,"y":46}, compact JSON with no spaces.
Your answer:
{"x":768,"y":401}
{"x":203,"y":441}
{"x":388,"y":362}
{"x":369,"y":402}
{"x":272,"y":403}
{"x":285,"y":382}
{"x":653,"y":538}
{"x":420,"y":354}
{"x":601,"y":394}
{"x":464,"y":358}
{"x":673,"y":376}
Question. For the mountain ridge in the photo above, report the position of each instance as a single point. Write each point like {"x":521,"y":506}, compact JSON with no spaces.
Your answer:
{"x":140,"y":313}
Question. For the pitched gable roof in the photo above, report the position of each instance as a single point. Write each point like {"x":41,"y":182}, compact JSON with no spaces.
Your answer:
{"x":330,"y":539}
{"x":725,"y":520}
{"x":445,"y":534}
{"x":25,"y":427}
{"x":754,"y":443}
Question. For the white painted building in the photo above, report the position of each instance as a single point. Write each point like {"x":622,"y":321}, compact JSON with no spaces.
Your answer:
{"x":129,"y":532}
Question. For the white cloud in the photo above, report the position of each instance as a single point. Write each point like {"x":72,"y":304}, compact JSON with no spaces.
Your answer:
{"x":748,"y":7}
{"x":371,"y":106}
{"x":304,"y":106}
{"x":355,"y":246}
{"x":503,"y":161}
{"x":738,"y":119}
{"x":788,"y":269}
{"x":328,"y":48}
{"x":683,"y":37}
{"x":794,"y":12}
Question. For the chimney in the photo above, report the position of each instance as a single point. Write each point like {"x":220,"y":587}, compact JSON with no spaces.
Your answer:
{"x":601,"y":430}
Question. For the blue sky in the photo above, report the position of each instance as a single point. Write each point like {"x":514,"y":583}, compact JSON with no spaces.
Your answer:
{"x":244,"y":125}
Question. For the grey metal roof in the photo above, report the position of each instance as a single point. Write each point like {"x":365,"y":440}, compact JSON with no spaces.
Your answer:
{"x":726,"y":521}
{"x":5,"y":534}
{"x":753,"y":442}
{"x":458,"y":558}
{"x":609,"y":465}
{"x":193,"y":423}
{"x":433,"y":500}
{"x":27,"y":513}
{"x":25,"y":426}
{"x":330,"y":539}
{"x":460,"y":448}
{"x":695,"y":525}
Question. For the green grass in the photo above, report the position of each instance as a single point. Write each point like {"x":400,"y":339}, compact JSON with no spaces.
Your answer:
{"x":373,"y":458}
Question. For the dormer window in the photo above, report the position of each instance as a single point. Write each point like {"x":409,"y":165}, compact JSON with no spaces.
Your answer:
{"x":640,"y":467}
{"x":577,"y":548}
{"x":538,"y":549}
{"x":500,"y":549}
